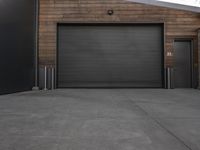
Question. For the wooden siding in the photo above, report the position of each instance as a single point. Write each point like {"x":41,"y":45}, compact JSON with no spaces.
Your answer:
{"x":178,"y":23}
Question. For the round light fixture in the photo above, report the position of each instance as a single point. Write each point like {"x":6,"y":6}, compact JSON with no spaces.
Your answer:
{"x":110,"y":12}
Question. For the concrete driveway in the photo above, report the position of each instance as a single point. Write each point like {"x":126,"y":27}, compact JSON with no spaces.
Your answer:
{"x":101,"y":119}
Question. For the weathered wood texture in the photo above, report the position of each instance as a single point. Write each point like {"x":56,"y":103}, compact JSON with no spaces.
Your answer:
{"x":178,"y":23}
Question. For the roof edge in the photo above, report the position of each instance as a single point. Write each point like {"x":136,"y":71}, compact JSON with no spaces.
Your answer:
{"x":168,"y":5}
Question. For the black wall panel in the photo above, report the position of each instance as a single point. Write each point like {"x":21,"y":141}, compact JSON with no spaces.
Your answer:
{"x":16,"y":45}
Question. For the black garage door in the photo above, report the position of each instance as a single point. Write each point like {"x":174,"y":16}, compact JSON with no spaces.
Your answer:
{"x":110,"y":55}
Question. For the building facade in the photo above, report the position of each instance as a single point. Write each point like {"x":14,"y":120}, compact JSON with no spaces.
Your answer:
{"x":179,"y":29}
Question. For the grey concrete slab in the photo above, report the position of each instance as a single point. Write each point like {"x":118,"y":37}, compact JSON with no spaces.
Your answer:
{"x":171,"y":110}
{"x":174,"y":96}
{"x":188,"y":130}
{"x":43,"y":125}
{"x":114,"y":134}
{"x":85,"y":107}
{"x":100,"y":119}
{"x":28,"y":143}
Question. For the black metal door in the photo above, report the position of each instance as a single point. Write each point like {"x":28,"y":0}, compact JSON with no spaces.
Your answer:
{"x":183,"y":69}
{"x":110,"y":56}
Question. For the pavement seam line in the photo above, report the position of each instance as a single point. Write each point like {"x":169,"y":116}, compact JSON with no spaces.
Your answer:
{"x":159,"y":124}
{"x":165,"y":128}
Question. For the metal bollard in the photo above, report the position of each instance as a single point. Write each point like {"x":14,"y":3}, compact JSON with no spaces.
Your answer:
{"x":45,"y":78}
{"x":52,"y":78}
{"x":168,"y":78}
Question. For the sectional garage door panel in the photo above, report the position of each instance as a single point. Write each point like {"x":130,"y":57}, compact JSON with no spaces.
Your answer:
{"x":110,"y":56}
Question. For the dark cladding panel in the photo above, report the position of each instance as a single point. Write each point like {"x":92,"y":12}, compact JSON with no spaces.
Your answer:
{"x":17,"y":45}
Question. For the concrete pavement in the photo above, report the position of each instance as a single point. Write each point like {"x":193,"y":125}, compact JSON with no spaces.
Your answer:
{"x":101,"y":119}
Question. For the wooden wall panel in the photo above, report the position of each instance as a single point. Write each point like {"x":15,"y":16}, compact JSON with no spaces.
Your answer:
{"x":178,"y":23}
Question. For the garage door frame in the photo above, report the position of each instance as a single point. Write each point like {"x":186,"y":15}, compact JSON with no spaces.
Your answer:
{"x":162,"y":24}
